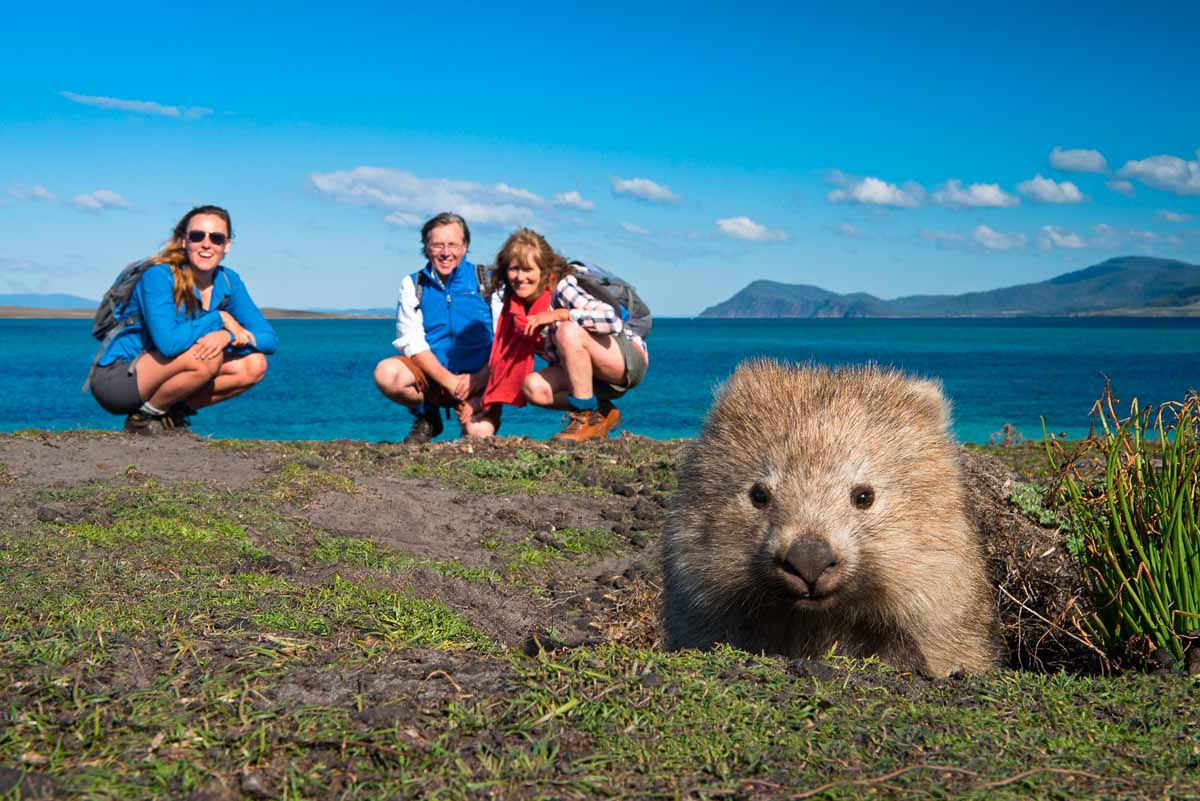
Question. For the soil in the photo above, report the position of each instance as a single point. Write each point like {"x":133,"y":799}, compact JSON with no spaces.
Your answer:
{"x":616,"y":597}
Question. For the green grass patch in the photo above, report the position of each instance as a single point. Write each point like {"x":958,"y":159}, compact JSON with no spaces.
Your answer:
{"x":547,"y":549}
{"x":356,"y":552}
{"x":1137,"y":528}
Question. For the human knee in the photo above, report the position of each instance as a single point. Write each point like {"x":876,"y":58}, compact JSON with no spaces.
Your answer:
{"x":537,"y":390}
{"x":208,"y":369}
{"x":569,"y":335}
{"x":253,"y":367}
{"x":391,"y":375}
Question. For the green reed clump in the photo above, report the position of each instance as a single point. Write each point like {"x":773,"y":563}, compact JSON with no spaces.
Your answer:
{"x":1136,"y":529}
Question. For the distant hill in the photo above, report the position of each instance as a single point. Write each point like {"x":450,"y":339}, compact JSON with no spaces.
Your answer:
{"x":33,"y":300}
{"x":1129,"y":285}
{"x":33,"y":305}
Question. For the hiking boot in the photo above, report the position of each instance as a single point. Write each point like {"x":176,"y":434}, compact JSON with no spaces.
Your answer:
{"x":138,"y":423}
{"x":179,"y":417}
{"x":583,"y":425}
{"x":612,"y":417}
{"x":426,"y":426}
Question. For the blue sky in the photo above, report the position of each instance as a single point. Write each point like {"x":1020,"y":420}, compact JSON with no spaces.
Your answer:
{"x":861,"y":148}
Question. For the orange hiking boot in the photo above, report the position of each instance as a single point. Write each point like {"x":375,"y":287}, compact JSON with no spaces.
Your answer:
{"x":612,"y":417}
{"x":582,"y":427}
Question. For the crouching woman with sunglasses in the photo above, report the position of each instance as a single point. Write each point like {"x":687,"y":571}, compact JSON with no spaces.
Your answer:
{"x":189,"y":336}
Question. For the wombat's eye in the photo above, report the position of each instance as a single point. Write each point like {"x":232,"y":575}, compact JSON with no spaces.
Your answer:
{"x":862,"y":496}
{"x":760,"y":496}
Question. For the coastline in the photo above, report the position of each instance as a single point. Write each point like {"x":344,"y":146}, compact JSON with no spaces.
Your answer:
{"x":35,"y":313}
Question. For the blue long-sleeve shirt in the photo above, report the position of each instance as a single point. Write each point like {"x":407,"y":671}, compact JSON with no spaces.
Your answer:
{"x":171,"y":330}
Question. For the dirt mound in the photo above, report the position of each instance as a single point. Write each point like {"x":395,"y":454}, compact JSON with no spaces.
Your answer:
{"x":1040,"y":598}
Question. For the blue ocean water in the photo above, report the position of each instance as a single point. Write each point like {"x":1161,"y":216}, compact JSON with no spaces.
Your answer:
{"x":319,"y":385}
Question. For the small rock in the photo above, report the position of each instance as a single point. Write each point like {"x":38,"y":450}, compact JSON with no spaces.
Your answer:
{"x":624,"y":490}
{"x":256,"y":785}
{"x":48,"y":514}
{"x":214,"y":790}
{"x":1193,"y":661}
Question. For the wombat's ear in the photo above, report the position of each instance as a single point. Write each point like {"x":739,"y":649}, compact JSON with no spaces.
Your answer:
{"x":930,"y":399}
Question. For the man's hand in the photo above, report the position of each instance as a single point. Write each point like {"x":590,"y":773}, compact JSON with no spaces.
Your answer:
{"x":462,"y":387}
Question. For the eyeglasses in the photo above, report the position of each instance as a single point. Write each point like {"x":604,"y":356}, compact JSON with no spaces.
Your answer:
{"x":217,"y":238}
{"x":443,"y":247}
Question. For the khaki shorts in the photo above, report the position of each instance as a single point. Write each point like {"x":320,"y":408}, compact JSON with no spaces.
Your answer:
{"x":635,"y":371}
{"x":434,"y":394}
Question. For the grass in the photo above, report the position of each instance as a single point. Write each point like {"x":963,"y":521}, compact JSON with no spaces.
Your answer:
{"x":154,"y":645}
{"x":1136,"y":529}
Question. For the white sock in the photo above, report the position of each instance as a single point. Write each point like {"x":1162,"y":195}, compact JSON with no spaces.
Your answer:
{"x":149,"y":410}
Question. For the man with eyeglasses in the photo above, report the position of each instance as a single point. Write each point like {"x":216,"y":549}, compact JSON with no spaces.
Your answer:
{"x":445,"y":317}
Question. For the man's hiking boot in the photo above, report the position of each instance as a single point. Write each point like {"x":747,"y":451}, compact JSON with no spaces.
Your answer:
{"x":426,"y":426}
{"x":582,"y":426}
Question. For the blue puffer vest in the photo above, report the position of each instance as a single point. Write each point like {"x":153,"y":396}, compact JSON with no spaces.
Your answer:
{"x":458,"y":321}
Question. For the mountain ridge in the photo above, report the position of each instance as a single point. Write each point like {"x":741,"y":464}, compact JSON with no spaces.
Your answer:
{"x":1124,"y":285}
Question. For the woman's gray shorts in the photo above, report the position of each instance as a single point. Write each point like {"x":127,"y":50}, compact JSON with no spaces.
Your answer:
{"x":115,"y":387}
{"x":635,"y":371}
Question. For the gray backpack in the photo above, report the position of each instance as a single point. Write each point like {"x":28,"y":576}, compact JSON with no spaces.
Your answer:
{"x":616,"y":292}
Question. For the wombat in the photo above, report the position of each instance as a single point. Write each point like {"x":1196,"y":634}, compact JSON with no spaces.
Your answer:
{"x":824,"y":509}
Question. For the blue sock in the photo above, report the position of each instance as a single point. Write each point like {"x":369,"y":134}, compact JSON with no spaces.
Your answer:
{"x":582,"y":404}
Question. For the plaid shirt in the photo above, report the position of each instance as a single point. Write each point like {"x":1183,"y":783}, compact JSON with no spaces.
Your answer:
{"x":586,"y":312}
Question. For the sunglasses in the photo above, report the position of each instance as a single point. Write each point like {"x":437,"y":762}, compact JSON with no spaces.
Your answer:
{"x":218,"y":239}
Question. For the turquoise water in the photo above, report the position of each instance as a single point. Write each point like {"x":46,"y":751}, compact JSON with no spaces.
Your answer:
{"x":319,"y":385}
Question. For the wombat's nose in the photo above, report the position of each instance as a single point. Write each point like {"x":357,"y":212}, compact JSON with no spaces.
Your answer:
{"x":810,"y":560}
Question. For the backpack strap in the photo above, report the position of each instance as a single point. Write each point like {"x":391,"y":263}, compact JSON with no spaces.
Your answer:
{"x":483,"y":276}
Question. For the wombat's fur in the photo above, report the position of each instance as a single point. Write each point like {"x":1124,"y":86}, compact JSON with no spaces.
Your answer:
{"x":824,"y":509}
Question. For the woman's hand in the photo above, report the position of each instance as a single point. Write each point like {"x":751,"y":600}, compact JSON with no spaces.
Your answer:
{"x":241,"y":336}
{"x":536,"y":321}
{"x":211,"y":345}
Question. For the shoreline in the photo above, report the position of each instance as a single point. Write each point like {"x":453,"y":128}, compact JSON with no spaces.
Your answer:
{"x":36,"y":313}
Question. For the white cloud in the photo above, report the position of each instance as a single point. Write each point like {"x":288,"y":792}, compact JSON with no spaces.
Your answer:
{"x":573,"y":200}
{"x":1078,"y":160}
{"x":952,"y":195}
{"x":1051,"y":236}
{"x":994,"y":240}
{"x":99,"y":200}
{"x":139,"y":106}
{"x":1154,"y":238}
{"x":410,"y":199}
{"x":643,"y":188}
{"x":1121,"y":187}
{"x":16,"y":264}
{"x":634,"y":229}
{"x":947,"y":240}
{"x":1105,"y":236}
{"x":1168,"y":173}
{"x":1047,"y":190}
{"x":875,"y":192}
{"x":36,"y":192}
{"x":746,"y":228}
{"x":847,"y":230}
{"x":519,"y":194}
{"x":406,"y":220}
{"x":1166,"y":215}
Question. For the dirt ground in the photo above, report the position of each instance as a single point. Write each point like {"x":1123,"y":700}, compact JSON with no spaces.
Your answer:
{"x":542,"y":548}
{"x":433,"y":516}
